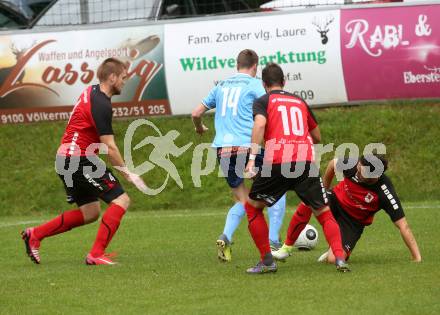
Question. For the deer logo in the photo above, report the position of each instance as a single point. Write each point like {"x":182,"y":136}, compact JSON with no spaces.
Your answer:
{"x":19,"y":53}
{"x":323,"y":30}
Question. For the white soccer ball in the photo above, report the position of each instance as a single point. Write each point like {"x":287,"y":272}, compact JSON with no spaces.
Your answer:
{"x":307,"y":239}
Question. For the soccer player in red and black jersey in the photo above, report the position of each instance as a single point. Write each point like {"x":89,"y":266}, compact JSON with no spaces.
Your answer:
{"x":354,"y":201}
{"x":289,"y":129}
{"x":86,"y":178}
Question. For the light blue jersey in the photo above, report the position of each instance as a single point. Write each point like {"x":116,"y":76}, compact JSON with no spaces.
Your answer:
{"x":233,"y":99}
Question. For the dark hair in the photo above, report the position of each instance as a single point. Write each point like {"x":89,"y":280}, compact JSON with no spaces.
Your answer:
{"x":109,"y":66}
{"x":273,"y":75}
{"x":246,"y":59}
{"x":372,"y":161}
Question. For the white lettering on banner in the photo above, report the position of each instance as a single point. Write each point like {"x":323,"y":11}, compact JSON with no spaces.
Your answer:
{"x":387,"y":36}
{"x":32,"y":117}
{"x":422,"y":28}
{"x":413,"y":78}
{"x":43,"y":116}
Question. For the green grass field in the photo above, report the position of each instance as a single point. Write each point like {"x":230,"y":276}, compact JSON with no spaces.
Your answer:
{"x":409,"y":131}
{"x":168,"y":265}
{"x":167,"y":254}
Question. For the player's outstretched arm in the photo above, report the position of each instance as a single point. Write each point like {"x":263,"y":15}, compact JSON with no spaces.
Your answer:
{"x":116,"y":160}
{"x":315,"y":133}
{"x":196,"y":116}
{"x":256,"y":140}
{"x":409,"y":239}
{"x":329,"y":174}
{"x":258,"y":133}
{"x":114,"y":156}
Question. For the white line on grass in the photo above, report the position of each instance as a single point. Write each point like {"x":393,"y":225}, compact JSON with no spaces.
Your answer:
{"x":131,"y":215}
{"x":421,"y":207}
{"x":165,"y":214}
{"x":4,"y":225}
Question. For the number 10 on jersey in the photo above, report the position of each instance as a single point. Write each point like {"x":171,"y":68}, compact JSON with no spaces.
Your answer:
{"x":295,"y":123}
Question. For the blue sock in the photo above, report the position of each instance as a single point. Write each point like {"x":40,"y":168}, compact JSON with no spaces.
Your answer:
{"x":276,"y":216}
{"x":233,"y":219}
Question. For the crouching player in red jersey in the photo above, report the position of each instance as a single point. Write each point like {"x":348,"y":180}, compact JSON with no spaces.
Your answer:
{"x":354,"y":201}
{"x":289,"y":129}
{"x":86,"y":178}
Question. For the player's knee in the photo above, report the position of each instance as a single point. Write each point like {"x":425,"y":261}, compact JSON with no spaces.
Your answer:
{"x":318,"y":212}
{"x":128,"y":201}
{"x":238,"y":210}
{"x":93,"y":216}
{"x":256,"y":203}
{"x":90,"y":212}
{"x":123,"y":201}
{"x":242,"y":199}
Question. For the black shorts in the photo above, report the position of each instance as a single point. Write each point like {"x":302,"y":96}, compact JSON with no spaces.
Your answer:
{"x":272,"y":182}
{"x":351,"y":230}
{"x":85,"y":187}
{"x":233,"y":162}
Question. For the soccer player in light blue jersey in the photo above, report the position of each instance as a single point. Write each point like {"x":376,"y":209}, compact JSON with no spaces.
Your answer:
{"x":233,"y":98}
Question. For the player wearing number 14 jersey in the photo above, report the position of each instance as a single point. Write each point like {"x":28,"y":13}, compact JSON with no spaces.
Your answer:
{"x":233,"y":98}
{"x":288,"y":128}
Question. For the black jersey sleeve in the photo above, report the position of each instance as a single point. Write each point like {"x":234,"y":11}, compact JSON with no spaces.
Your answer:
{"x":389,"y":201}
{"x":260,"y":106}
{"x":102,"y":113}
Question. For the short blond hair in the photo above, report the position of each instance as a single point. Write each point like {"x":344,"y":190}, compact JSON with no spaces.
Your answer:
{"x":109,"y":66}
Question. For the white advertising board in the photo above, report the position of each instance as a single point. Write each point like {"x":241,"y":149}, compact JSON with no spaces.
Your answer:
{"x":43,"y":74}
{"x":307,"y":46}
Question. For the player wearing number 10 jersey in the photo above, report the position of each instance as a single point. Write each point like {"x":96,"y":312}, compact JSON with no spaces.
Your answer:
{"x":289,"y":129}
{"x":233,"y":98}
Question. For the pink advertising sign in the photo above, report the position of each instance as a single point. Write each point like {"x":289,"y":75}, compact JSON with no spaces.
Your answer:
{"x":391,"y":52}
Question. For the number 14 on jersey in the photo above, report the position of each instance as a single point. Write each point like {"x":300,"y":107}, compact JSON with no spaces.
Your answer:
{"x":231,"y":96}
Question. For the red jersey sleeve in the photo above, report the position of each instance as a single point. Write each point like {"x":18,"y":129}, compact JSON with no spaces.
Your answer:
{"x":311,"y":120}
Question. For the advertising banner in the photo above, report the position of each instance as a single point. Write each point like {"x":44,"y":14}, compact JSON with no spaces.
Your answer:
{"x":43,"y":74}
{"x":306,"y":45}
{"x":391,"y":52}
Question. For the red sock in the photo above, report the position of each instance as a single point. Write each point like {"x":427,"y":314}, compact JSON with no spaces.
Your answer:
{"x":62,"y":223}
{"x":332,"y":233}
{"x":108,"y":227}
{"x":299,"y":220}
{"x":258,"y":229}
